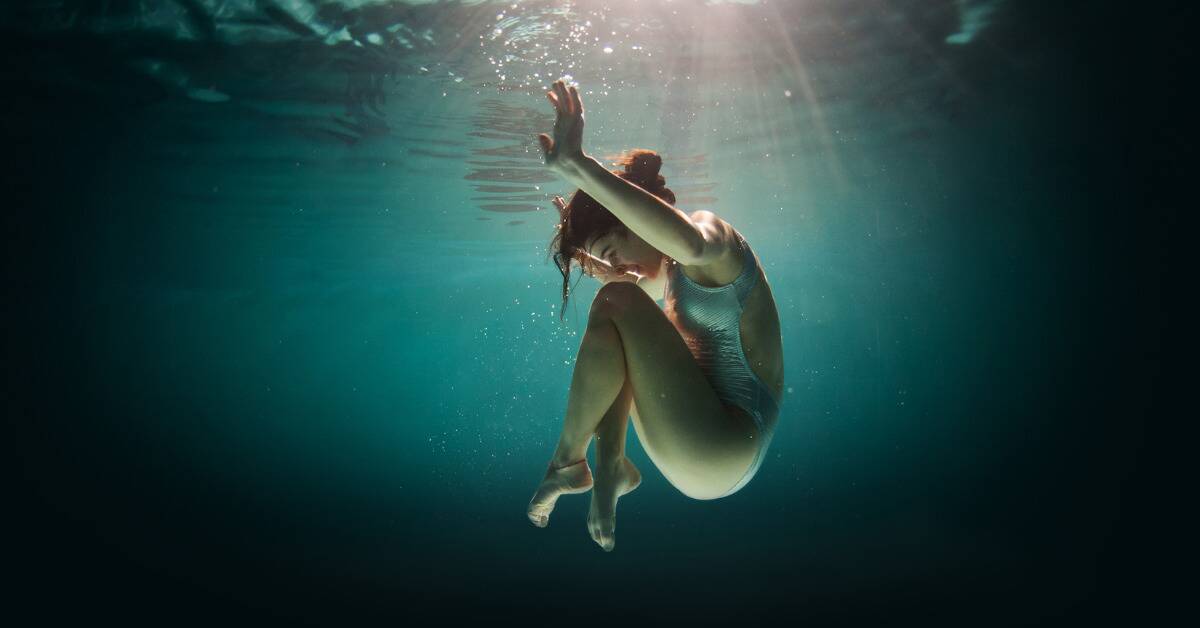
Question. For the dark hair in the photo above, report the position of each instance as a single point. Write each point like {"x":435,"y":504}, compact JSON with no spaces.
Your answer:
{"x":583,"y":219}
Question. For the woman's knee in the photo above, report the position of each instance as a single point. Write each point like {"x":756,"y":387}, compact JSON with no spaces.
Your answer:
{"x":616,"y":297}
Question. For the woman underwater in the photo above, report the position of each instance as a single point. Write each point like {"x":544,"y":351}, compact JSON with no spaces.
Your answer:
{"x":702,"y":376}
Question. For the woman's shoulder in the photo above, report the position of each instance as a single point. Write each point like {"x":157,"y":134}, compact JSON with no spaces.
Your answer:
{"x":716,"y":229}
{"x":726,"y":263}
{"x":703,"y":216}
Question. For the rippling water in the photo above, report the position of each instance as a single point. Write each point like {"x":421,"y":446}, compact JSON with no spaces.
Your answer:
{"x":300,"y":351}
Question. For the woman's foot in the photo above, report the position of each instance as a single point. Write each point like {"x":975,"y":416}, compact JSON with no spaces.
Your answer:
{"x":612,"y":481}
{"x":567,"y":479}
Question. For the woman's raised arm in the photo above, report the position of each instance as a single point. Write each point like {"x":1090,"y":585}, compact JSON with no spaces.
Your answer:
{"x":659,"y":223}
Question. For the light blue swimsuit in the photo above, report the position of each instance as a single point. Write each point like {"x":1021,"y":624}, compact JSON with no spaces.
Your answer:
{"x":708,"y":319}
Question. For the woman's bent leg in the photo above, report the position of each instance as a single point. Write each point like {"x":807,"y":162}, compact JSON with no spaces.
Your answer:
{"x":598,"y":378}
{"x":700,"y":446}
{"x":613,"y":429}
{"x":616,"y":476}
{"x":688,"y":433}
{"x":596,"y":383}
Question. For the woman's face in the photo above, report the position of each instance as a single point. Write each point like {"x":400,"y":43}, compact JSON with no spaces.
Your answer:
{"x":621,"y":255}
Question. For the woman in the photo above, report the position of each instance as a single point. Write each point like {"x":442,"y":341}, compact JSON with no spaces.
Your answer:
{"x":702,"y":376}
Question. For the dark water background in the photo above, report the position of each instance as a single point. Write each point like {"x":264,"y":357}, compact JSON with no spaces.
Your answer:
{"x":283,"y":339}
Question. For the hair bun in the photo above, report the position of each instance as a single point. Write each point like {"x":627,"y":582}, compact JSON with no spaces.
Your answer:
{"x":641,"y":167}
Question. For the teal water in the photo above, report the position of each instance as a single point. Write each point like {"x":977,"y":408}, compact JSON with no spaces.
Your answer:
{"x":288,"y":342}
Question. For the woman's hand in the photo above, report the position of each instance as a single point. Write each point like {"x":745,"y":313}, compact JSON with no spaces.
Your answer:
{"x":564,"y":151}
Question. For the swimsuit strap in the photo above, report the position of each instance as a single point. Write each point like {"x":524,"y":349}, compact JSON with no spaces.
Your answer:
{"x":747,"y":279}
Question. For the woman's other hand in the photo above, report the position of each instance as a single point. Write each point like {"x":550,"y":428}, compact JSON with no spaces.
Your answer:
{"x":564,"y":150}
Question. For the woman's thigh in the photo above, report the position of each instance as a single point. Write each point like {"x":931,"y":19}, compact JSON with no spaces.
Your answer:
{"x":695,"y":440}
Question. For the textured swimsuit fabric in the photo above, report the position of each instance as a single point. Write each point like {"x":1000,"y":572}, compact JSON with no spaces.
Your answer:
{"x":709,"y":321}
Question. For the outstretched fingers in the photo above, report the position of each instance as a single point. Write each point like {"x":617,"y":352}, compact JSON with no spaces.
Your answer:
{"x":576,"y":101}
{"x":564,"y":98}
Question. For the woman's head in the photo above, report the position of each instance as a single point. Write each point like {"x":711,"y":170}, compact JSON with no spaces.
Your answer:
{"x":595,"y":239}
